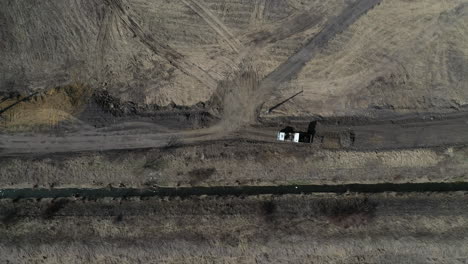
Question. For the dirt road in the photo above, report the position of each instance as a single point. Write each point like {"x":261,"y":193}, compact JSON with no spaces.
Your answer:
{"x":451,"y":131}
{"x":28,"y":144}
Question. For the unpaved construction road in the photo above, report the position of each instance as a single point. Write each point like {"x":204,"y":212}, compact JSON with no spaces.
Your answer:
{"x":449,"y":130}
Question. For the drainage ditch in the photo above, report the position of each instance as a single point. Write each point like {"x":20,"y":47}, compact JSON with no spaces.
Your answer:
{"x":230,"y":190}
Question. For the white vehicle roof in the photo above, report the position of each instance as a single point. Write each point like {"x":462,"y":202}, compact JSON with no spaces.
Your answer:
{"x":281,"y":136}
{"x":296,"y":137}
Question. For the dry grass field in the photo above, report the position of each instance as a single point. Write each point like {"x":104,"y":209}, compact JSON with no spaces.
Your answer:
{"x":386,"y":228}
{"x":235,"y":164}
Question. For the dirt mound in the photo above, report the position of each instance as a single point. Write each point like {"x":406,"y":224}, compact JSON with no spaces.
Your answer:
{"x":44,"y":109}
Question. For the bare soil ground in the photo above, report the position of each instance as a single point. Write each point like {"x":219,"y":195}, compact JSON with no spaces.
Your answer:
{"x":384,"y":228}
{"x":347,"y":56}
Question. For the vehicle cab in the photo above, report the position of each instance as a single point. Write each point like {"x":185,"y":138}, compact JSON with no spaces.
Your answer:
{"x":296,"y":137}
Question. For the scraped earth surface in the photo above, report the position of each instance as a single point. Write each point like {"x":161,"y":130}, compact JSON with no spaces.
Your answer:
{"x":347,"y":56}
{"x":190,"y":93}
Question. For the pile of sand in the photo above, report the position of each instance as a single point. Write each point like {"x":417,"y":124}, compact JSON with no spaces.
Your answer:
{"x":45,"y":109}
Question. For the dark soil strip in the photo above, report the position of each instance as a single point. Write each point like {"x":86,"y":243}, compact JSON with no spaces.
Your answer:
{"x":17,"y":102}
{"x":232,"y":190}
{"x":284,"y":101}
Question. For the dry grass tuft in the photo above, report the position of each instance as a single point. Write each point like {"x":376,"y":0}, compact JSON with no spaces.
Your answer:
{"x":348,"y":212}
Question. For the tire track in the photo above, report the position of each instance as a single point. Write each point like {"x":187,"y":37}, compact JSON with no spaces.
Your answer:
{"x":103,"y":39}
{"x":258,"y":13}
{"x":254,"y":40}
{"x":214,"y":23}
{"x":296,"y":63}
{"x":172,"y":56}
{"x":286,"y":28}
{"x":27,"y":144}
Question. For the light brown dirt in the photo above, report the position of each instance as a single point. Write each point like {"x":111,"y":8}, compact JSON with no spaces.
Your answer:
{"x":45,"y":109}
{"x":400,"y":55}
